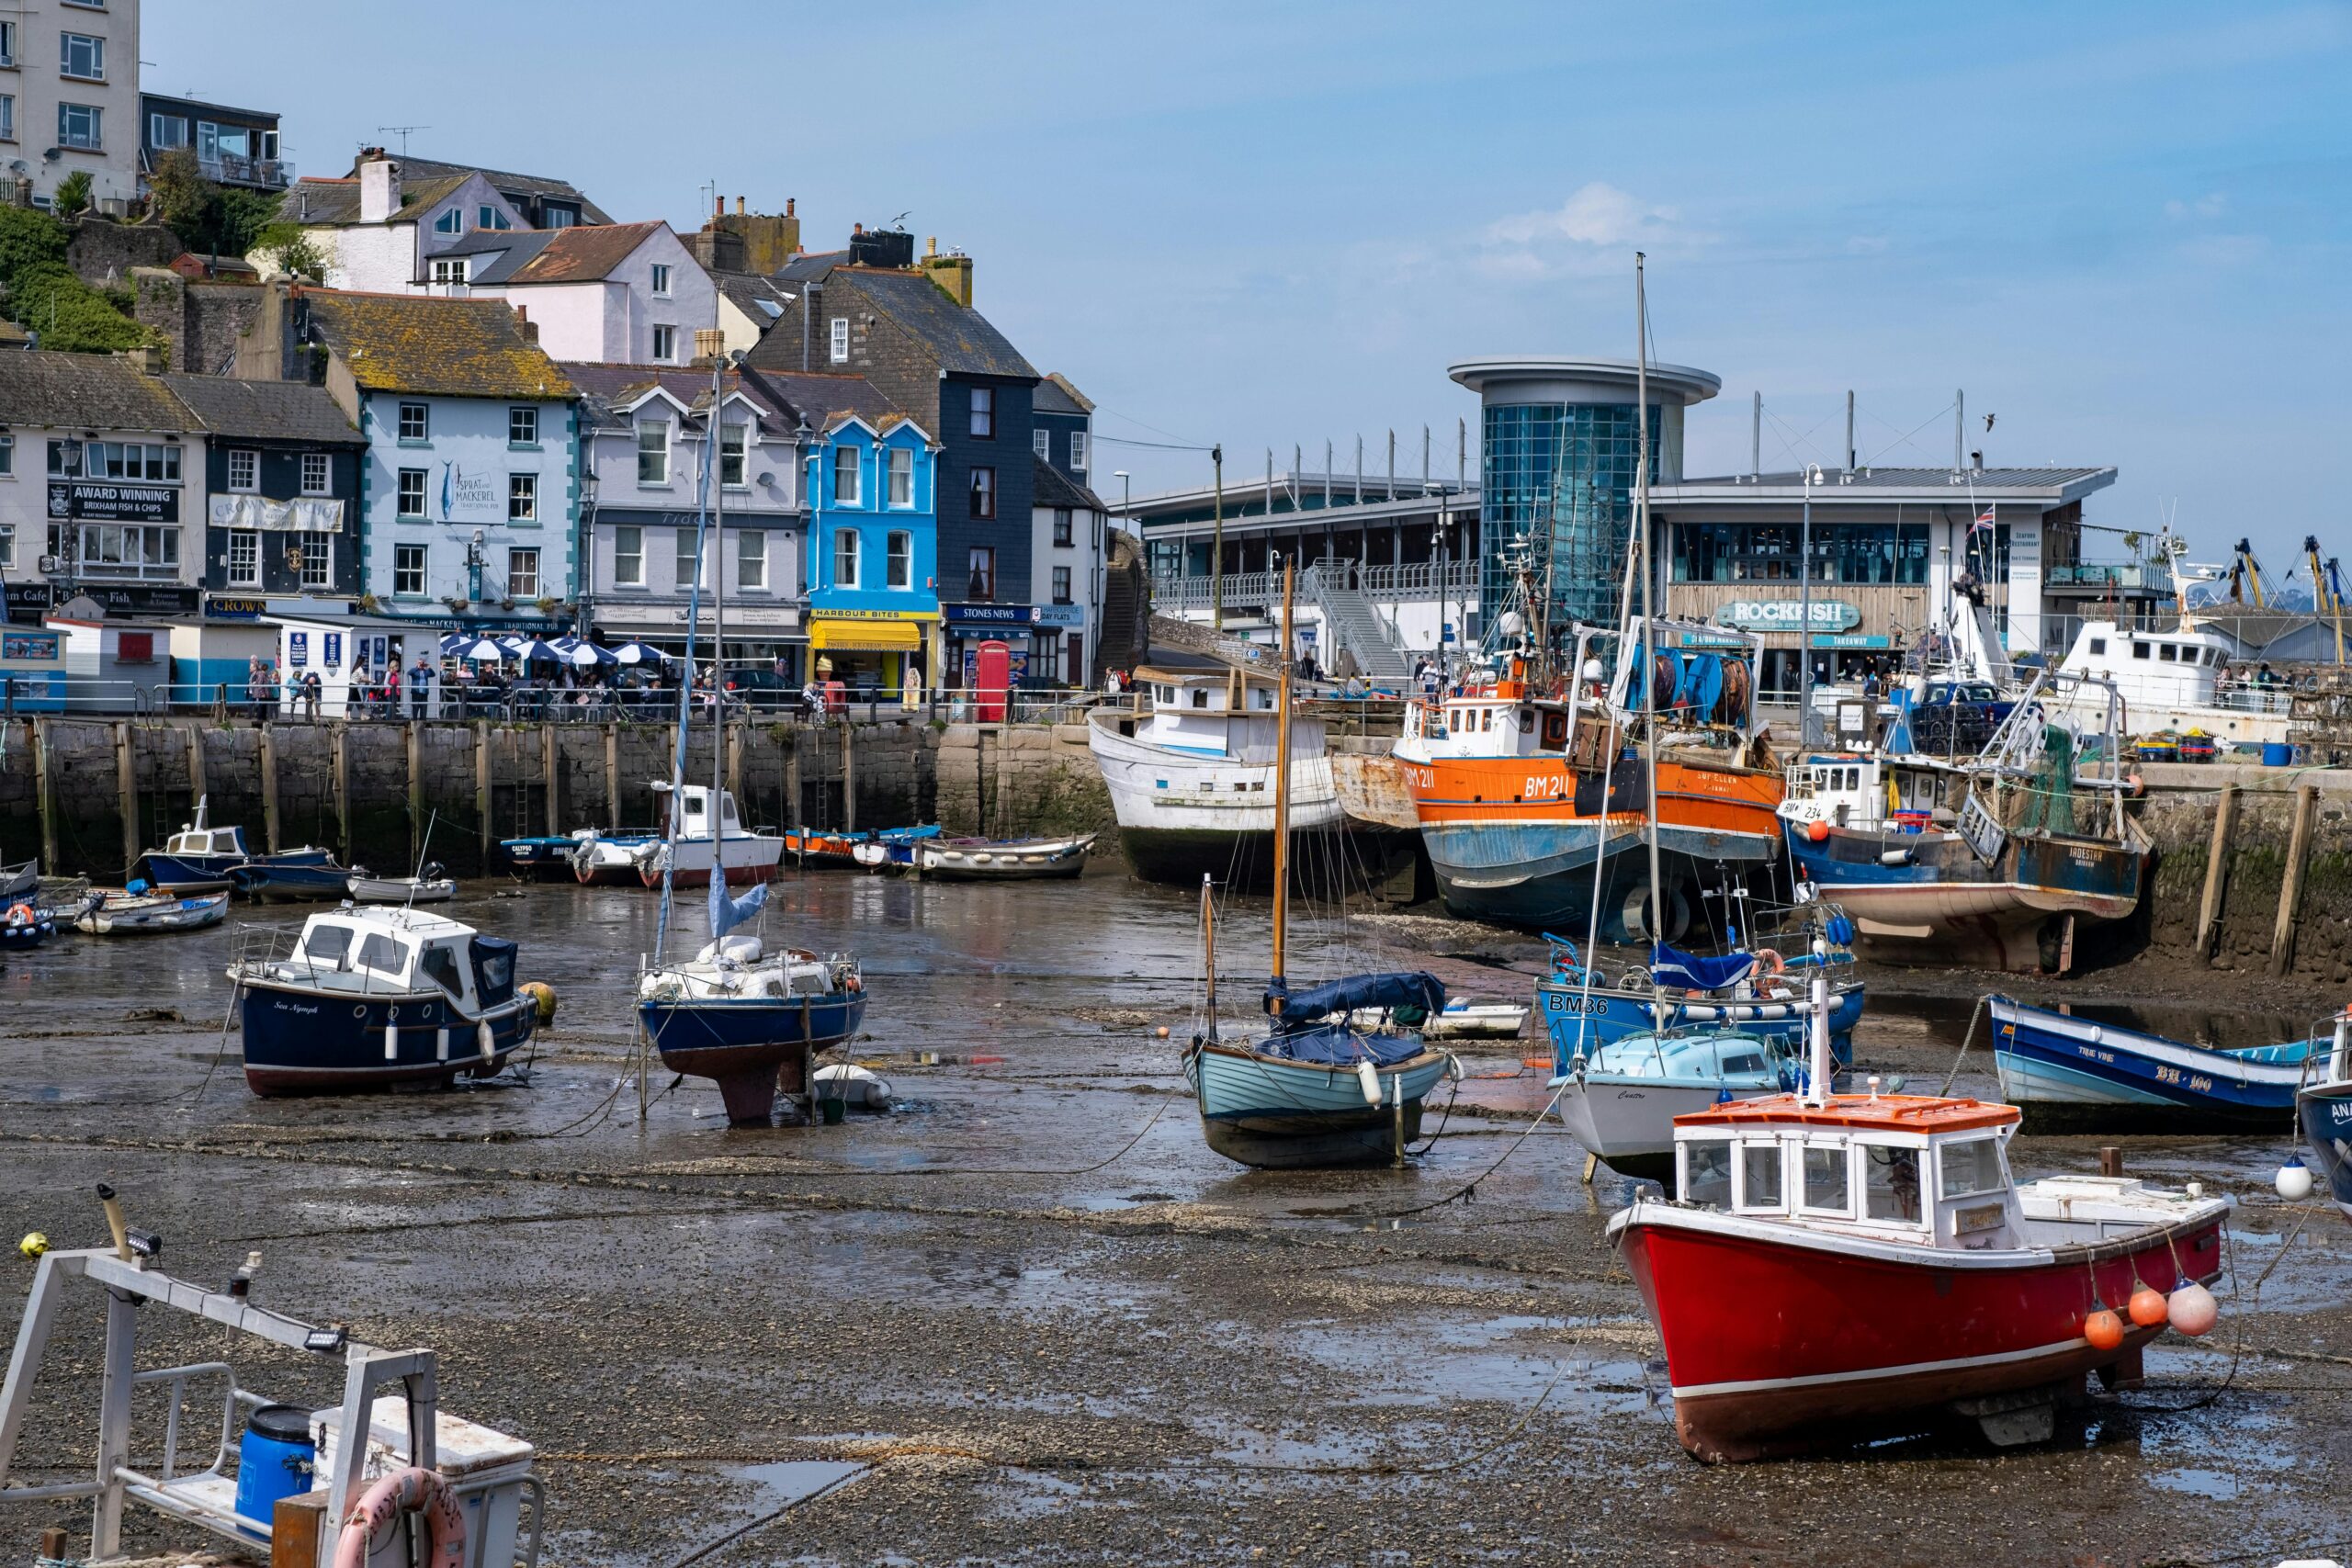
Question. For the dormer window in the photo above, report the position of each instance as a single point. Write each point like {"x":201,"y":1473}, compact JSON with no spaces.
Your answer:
{"x":450,"y":222}
{"x":489,"y":217}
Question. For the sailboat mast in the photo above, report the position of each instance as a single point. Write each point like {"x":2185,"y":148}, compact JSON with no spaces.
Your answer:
{"x":1208,"y":947}
{"x":1649,"y":584}
{"x":713,"y":812}
{"x":1282,"y":776}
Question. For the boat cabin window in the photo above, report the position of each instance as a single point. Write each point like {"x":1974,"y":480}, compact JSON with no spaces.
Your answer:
{"x":327,"y":944}
{"x":2098,"y":646}
{"x":441,"y":966}
{"x":2168,"y":651}
{"x":1759,"y":1176}
{"x":1973,"y":1166}
{"x":1200,"y":696}
{"x":1890,"y":1184}
{"x":1164,"y":694}
{"x":1261,"y":698}
{"x":1706,"y":1173}
{"x":381,"y":954}
{"x":1555,"y":731}
{"x":2139,"y":650}
{"x":726,"y":813}
{"x":1828,"y":1185}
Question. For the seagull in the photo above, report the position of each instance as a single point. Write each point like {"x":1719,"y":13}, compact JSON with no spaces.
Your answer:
{"x":1988,"y":423}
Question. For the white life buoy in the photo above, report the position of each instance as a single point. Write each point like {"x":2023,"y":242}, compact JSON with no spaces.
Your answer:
{"x":410,"y":1491}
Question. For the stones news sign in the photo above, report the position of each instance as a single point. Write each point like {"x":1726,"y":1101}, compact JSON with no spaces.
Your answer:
{"x":1786,"y":615}
{"x":95,"y":500}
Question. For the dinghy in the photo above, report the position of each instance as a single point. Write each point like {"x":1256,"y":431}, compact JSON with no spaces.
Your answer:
{"x":2077,"y":1074}
{"x":432,"y":888}
{"x":119,"y":912}
{"x":1463,"y":1019}
{"x":1002,"y":860}
{"x":25,"y":927}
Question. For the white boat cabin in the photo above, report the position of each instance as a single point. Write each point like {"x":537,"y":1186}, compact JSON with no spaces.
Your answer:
{"x":1867,"y":791}
{"x":372,"y":951}
{"x":195,"y":842}
{"x":694,"y":810}
{"x":1912,"y":1168}
{"x":2167,"y":672}
{"x":1223,"y":714}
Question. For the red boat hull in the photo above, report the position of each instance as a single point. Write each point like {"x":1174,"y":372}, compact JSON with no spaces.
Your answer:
{"x":1774,"y":1348}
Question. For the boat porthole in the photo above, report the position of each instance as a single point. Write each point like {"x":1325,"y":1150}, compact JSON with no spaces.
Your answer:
{"x":359,"y":1009}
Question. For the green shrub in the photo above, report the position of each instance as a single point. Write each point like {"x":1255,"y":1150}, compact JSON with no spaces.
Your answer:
{"x":27,"y":238}
{"x":71,"y":316}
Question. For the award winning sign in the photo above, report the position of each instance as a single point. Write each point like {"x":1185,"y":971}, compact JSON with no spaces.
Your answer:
{"x":101,"y":501}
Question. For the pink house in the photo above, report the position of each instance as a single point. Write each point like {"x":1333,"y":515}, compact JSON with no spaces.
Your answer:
{"x":608,"y":293}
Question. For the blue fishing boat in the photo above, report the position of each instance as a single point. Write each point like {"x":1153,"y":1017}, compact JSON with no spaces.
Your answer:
{"x":199,"y":858}
{"x":745,"y":1017}
{"x":888,"y":849}
{"x":367,"y":998}
{"x":2066,"y":1071}
{"x":1321,"y":1086}
{"x":2323,"y":1109}
{"x":24,"y":926}
{"x":539,"y":857}
{"x":1755,"y":992}
{"x":1619,"y":1101}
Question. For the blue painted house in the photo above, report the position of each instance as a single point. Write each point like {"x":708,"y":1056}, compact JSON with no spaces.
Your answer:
{"x":874,"y":553}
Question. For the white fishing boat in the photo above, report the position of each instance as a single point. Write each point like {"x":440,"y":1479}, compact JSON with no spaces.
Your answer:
{"x":112,"y":912}
{"x":403,"y":889}
{"x":1477,"y":1020}
{"x":749,"y":856}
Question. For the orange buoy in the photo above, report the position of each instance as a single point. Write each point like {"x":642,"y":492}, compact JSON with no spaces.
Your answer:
{"x":2147,"y":1307}
{"x":1818,"y":831}
{"x":2103,"y":1329}
{"x":2193,"y":1310}
{"x":1163,"y":1032}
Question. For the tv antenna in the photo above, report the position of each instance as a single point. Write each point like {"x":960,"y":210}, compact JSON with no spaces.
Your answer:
{"x":402,"y":133}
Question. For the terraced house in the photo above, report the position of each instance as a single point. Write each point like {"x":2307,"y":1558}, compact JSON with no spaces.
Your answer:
{"x":469,"y":489}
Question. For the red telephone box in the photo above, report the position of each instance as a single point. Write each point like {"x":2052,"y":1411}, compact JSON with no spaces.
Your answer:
{"x":992,"y":677}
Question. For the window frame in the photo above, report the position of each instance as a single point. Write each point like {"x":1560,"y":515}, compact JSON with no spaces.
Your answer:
{"x":901,"y":466}
{"x":1778,"y":1161}
{"x":629,"y":545}
{"x":898,"y":559}
{"x":1078,"y":451}
{"x":1844,"y":1150}
{"x":1065,"y":528}
{"x":685,"y":564}
{"x":981,"y":495}
{"x":1923,"y":1209}
{"x":736,"y":434}
{"x":981,"y":415}
{"x":523,"y":497}
{"x":980,"y":559}
{"x":658,"y":279}
{"x":522,"y":581}
{"x":400,"y":495}
{"x":324,"y":463}
{"x":96,"y":140}
{"x":848,"y":550}
{"x":751,"y":560}
{"x":247,"y":572}
{"x":422,"y":422}
{"x":854,"y":470}
{"x":837,"y":340}
{"x":318,"y":559}
{"x":664,"y":344}
{"x":1684,"y":1148}
{"x":1041,"y":441}
{"x":523,"y":425}
{"x":402,"y":555}
{"x":658,"y":451}
{"x":1062,"y":586}
{"x":248,"y":459}
{"x":96,"y":53}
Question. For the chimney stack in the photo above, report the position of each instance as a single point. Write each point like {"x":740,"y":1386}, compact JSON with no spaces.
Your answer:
{"x":709,"y":344}
{"x":738,"y":207}
{"x":718,"y":206}
{"x":952,"y":272}
{"x":379,"y":188}
{"x":788,"y":205}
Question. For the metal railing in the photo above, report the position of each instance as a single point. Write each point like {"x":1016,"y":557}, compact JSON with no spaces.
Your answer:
{"x":1246,"y":590}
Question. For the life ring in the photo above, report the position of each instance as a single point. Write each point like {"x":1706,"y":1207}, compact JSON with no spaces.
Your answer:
{"x":1774,"y":965}
{"x":21,"y":915}
{"x":410,"y":1491}
{"x":852,"y":981}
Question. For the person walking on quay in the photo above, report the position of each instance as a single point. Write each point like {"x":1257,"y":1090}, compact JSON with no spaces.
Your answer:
{"x":257,"y":686}
{"x":311,"y":693}
{"x":420,"y":677}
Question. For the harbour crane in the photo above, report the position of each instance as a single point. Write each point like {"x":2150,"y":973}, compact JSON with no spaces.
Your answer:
{"x":2245,"y":576}
{"x":2327,"y":591}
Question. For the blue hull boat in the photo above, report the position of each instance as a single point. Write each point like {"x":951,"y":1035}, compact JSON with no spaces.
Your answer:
{"x":184,"y":873}
{"x":2065,"y":1071}
{"x":2326,"y":1113}
{"x":742,"y":1044}
{"x":542,"y":859}
{"x":300,"y":881}
{"x":369,"y":998}
{"x":1575,"y":1020}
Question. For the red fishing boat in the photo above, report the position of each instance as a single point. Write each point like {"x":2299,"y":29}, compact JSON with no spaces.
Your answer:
{"x":1841,"y":1267}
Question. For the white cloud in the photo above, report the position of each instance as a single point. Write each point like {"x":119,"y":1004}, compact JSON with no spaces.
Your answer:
{"x":1597,"y":224}
{"x":2212,"y":204}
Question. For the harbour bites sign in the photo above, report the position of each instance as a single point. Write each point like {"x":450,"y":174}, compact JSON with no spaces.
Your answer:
{"x":1786,"y":615}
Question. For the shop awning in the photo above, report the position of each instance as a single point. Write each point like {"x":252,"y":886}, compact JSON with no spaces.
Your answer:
{"x":864,"y":637}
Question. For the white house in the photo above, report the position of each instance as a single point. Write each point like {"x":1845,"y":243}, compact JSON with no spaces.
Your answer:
{"x":611,"y":294}
{"x":1067,"y":551}
{"x":376,"y":232}
{"x":69,"y":98}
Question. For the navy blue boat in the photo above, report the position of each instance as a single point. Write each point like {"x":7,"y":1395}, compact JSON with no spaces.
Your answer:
{"x":749,"y":1022}
{"x":371,"y":997}
{"x":2065,"y":1071}
{"x":201,"y":858}
{"x":546,"y":858}
{"x":1718,"y":992}
{"x":279,"y":882}
{"x":2323,"y":1109}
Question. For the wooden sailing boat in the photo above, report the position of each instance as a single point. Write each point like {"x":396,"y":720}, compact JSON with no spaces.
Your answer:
{"x":1319,"y":1089}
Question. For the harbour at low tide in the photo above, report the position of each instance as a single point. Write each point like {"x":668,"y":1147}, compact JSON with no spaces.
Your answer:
{"x":1052,"y":1325}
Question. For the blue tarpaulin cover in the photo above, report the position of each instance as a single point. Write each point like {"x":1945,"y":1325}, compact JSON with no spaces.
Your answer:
{"x":1417,"y":988}
{"x":1672,"y":966}
{"x":1343,"y":1046}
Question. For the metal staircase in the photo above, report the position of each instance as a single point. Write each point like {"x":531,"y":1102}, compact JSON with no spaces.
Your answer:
{"x":1355,"y":624}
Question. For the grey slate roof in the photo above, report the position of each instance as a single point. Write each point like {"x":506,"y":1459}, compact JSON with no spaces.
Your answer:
{"x":1055,"y":395}
{"x":961,"y":340}
{"x":503,"y":181}
{"x":520,"y":246}
{"x":750,"y":292}
{"x":818,"y":396}
{"x":278,"y":410}
{"x":811,"y":265}
{"x":92,"y":391}
{"x":1056,"y":488}
{"x":606,"y":389}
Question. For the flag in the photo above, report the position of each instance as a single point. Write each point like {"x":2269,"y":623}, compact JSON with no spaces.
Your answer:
{"x":727,"y":913}
{"x":1984,"y":521}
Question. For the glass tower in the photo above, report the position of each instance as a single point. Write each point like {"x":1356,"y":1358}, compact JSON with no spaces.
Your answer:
{"x":1561,"y":477}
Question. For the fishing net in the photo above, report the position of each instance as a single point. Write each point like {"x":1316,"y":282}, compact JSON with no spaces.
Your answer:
{"x":2050,"y":788}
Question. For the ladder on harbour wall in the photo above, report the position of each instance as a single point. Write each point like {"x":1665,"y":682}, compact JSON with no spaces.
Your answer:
{"x":1356,"y":624}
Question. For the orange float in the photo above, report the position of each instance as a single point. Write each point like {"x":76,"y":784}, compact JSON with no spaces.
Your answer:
{"x":2103,"y":1329}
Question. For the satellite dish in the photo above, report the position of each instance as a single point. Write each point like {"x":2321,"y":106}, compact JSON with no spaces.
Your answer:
{"x":1512,"y":623}
{"x":53,"y":154}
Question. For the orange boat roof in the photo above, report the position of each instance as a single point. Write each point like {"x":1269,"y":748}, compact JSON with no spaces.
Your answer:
{"x":1883,"y":1113}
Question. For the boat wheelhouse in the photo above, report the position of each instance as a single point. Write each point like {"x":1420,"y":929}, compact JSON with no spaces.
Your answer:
{"x":368,"y":997}
{"x":1837,"y":1267}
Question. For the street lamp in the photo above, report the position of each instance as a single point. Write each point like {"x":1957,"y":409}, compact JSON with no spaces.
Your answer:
{"x":1804,"y":615}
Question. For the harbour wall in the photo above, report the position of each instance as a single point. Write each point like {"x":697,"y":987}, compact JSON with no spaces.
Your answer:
{"x":2253,"y":874}
{"x":87,"y":796}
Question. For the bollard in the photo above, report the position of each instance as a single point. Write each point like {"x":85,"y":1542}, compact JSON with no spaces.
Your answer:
{"x":126,"y":786}
{"x":482,"y":790}
{"x":415,"y":793}
{"x":2111,"y":1160}
{"x":338,"y":739}
{"x":612,"y":775}
{"x":46,"y":787}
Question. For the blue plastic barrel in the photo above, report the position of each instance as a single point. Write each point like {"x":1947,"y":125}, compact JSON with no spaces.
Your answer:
{"x":2278,"y":754}
{"x":274,"y":1460}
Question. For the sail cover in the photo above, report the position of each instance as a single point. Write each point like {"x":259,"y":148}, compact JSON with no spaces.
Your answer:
{"x":1672,"y":966}
{"x":727,"y":913}
{"x":1394,"y":991}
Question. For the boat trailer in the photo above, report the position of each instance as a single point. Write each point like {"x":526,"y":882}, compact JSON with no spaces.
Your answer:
{"x":404,"y":1428}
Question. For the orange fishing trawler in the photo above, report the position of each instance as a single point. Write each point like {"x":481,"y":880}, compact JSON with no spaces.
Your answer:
{"x":1521,"y":784}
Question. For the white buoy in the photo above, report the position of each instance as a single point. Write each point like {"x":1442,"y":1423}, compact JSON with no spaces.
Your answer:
{"x":1367,"y":1077}
{"x":2294,"y":1179}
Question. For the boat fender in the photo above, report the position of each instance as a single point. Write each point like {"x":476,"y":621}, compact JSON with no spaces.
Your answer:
{"x":1453,"y":1066}
{"x":2103,"y":1329}
{"x":1895,"y":857}
{"x":485,"y":1039}
{"x":852,"y":981}
{"x":410,"y":1491}
{"x":1817,"y":831}
{"x":1771,"y":962}
{"x":2192,"y":1310}
{"x":1369,"y":1078}
{"x":2147,"y":1307}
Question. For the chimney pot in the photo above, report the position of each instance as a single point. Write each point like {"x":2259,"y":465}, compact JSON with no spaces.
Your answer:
{"x":738,"y":207}
{"x":788,"y":202}
{"x":856,"y":229}
{"x":719,"y":207}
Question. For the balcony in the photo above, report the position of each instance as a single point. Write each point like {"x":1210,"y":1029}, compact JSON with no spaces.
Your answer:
{"x":2131,"y":576}
{"x":234,"y":169}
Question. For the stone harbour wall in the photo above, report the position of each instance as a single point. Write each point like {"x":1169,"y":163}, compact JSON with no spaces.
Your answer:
{"x":88,"y":796}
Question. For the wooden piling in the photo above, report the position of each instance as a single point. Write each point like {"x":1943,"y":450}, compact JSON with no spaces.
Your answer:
{"x":791,"y":815}
{"x":339,"y":740}
{"x":2213,"y":906}
{"x":482,"y":788}
{"x":613,"y":775}
{"x":551,"y":759}
{"x":415,"y":792}
{"x":735,"y":768}
{"x":269,"y":788}
{"x":194,"y":733}
{"x":2290,"y":888}
{"x":47,"y":788}
{"x":126,"y":788}
{"x":849,"y":782}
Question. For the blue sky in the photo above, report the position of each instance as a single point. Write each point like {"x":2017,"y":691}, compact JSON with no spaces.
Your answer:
{"x":2123,"y":230}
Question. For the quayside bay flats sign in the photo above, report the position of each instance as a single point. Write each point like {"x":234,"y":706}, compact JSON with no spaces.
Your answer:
{"x":1786,"y":615}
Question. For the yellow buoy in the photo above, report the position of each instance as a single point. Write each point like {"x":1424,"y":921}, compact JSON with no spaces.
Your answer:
{"x":34,"y":1244}
{"x":543,"y":994}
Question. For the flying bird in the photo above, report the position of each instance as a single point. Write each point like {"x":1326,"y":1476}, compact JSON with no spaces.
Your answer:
{"x":1988,"y":423}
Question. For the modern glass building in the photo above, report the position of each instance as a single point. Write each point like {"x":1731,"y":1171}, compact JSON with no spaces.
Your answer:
{"x":1561,"y":438}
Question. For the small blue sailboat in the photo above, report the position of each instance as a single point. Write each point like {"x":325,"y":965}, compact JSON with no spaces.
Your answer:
{"x":1742,"y":991}
{"x":2323,"y":1111}
{"x":735,"y":1013}
{"x":1321,"y":1087}
{"x":2065,"y":1071}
